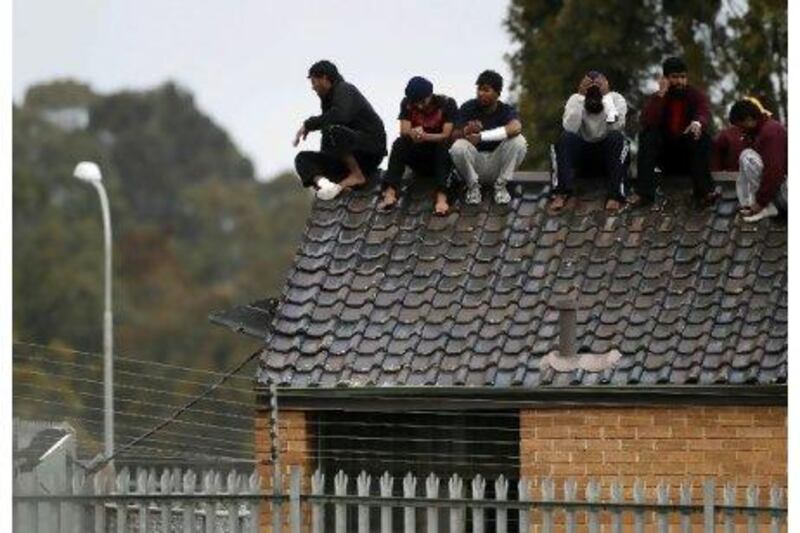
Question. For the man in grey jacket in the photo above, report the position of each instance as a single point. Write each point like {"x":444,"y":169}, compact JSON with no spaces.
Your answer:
{"x":592,"y":142}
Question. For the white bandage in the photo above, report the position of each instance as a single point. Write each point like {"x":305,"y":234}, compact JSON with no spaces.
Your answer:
{"x":610,"y":108}
{"x":327,"y":190}
{"x":497,"y":134}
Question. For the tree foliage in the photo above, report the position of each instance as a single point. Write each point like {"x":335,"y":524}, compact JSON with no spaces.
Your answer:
{"x":730,"y":49}
{"x":193,"y":232}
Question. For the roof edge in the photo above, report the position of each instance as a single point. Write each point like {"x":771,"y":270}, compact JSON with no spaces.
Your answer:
{"x":472,"y":398}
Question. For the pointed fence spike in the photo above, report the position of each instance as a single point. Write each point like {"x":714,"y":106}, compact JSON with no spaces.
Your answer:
{"x":318,"y":482}
{"x":501,"y":487}
{"x":254,"y":481}
{"x":432,"y":486}
{"x":387,"y":484}
{"x":363,"y":483}
{"x":478,"y":487}
{"x":570,"y":489}
{"x":616,"y":491}
{"x":123,"y":481}
{"x":232,"y":482}
{"x":455,"y":486}
{"x":409,"y":485}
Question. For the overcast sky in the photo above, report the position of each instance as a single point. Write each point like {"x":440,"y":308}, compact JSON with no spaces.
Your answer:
{"x":246,"y":61}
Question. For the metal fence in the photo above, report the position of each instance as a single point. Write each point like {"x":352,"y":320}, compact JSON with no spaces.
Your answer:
{"x":214,"y":502}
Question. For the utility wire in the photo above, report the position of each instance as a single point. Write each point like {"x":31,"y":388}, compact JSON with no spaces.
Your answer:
{"x":177,"y":413}
{"x":139,"y":402}
{"x":132,"y":360}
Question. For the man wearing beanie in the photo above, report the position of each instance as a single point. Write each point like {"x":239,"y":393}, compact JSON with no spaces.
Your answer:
{"x":675,"y":136}
{"x":489,"y":145}
{"x":426,"y":123}
{"x":761,"y":184}
{"x":353,"y":136}
{"x":592,"y":142}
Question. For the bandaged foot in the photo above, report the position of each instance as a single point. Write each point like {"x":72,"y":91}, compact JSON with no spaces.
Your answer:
{"x":327,"y":190}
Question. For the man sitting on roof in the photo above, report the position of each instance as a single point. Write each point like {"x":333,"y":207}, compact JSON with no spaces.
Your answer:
{"x":489,"y":145}
{"x":353,"y":136}
{"x":674,"y":136}
{"x":592,"y":139}
{"x":426,"y":123}
{"x":761,"y":185}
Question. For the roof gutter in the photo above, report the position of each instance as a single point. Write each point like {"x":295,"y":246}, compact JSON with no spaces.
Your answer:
{"x":473,"y":398}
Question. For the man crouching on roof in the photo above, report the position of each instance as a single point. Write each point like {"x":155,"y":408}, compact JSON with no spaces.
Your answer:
{"x":353,"y":136}
{"x":489,"y":145}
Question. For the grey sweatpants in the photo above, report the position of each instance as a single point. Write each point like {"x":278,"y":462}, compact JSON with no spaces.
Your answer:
{"x":496,"y":167}
{"x":751,"y":167}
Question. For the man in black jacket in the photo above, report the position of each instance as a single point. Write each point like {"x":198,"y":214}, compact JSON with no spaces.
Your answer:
{"x":353,"y":136}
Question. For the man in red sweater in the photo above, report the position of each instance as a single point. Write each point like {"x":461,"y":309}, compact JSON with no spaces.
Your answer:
{"x":761,"y":185}
{"x":675,"y":136}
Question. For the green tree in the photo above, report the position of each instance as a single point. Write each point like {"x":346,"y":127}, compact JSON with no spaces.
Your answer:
{"x":729,"y":52}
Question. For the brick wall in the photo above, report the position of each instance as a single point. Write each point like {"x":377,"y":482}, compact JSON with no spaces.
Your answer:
{"x":741,"y":445}
{"x":294,"y":438}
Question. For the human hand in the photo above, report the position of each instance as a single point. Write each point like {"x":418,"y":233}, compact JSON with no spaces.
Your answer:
{"x":416,"y":134}
{"x":474,"y":138}
{"x":602,"y":82}
{"x":584,"y":85}
{"x":301,"y":135}
{"x":694,"y":129}
{"x":473,"y":126}
{"x":663,"y":86}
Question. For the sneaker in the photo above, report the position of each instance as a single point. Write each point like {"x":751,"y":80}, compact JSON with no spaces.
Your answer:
{"x":769,"y":211}
{"x":473,"y":195}
{"x":501,"y":195}
{"x":327,"y":190}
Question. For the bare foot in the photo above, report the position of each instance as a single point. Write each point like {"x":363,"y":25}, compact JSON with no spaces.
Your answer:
{"x":557,"y":203}
{"x":441,"y":207}
{"x":354,"y":179}
{"x":389,"y":198}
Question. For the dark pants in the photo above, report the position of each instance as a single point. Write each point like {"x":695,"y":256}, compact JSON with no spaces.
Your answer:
{"x":683,"y":155}
{"x":426,"y":159}
{"x":337,"y":143}
{"x":610,"y":155}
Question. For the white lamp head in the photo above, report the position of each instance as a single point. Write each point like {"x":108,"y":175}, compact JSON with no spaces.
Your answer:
{"x":88,"y":171}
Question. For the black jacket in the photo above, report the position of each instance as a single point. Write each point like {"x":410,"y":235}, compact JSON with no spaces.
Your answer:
{"x":345,"y":106}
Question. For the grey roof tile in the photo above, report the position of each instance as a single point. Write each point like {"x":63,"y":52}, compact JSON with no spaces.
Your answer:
{"x":406,"y":298}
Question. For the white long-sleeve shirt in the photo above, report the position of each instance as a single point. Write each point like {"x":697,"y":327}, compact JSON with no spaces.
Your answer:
{"x":594,"y":127}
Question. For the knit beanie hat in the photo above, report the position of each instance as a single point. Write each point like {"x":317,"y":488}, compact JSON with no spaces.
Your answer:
{"x":673,"y":65}
{"x":418,"y":89}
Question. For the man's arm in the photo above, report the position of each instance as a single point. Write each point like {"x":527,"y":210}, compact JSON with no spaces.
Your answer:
{"x":340,"y":112}
{"x":622,"y":110}
{"x":573,"y":113}
{"x":702,"y":112}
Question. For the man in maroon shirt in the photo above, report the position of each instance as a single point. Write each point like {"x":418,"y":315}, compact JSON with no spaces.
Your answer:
{"x":675,"y":136}
{"x":426,"y":122}
{"x":761,"y":185}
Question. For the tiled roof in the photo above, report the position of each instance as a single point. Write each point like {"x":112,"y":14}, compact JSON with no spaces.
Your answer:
{"x":406,"y":298}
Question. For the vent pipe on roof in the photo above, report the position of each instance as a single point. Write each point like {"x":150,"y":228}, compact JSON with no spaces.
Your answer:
{"x":567,"y":312}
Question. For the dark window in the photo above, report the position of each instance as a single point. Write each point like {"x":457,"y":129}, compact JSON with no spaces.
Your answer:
{"x":443,"y":443}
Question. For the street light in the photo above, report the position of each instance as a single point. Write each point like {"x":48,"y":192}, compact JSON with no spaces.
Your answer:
{"x":89,"y":172}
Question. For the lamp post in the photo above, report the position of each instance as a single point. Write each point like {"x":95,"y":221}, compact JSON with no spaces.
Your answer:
{"x":89,"y":172}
